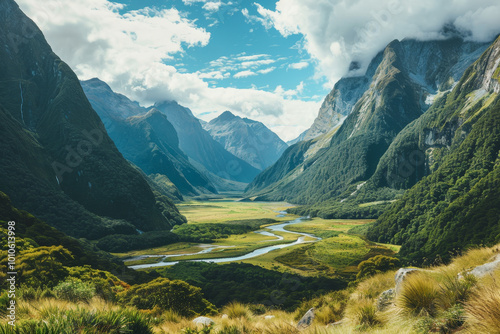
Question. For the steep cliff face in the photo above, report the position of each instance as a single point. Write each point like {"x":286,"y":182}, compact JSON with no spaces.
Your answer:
{"x":399,"y":86}
{"x":457,"y":205}
{"x":57,"y":159}
{"x":147,"y":139}
{"x":249,"y":140}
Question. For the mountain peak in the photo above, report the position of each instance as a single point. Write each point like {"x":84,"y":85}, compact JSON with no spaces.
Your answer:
{"x":227,"y":116}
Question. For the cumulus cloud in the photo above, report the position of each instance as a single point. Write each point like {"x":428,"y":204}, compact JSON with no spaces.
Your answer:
{"x":98,"y":38}
{"x":337,"y":32}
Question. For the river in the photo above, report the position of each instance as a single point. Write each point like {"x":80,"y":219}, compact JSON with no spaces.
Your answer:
{"x":255,"y":253}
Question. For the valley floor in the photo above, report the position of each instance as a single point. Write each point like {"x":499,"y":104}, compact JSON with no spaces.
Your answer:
{"x":328,"y":248}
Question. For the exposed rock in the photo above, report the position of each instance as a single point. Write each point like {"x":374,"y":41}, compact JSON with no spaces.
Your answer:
{"x":306,"y":320}
{"x":401,"y":276}
{"x":203,"y":321}
{"x":268,"y":317}
{"x":249,"y":140}
{"x":225,"y":316}
{"x":334,"y":324}
{"x":487,"y":268}
{"x":385,"y":299}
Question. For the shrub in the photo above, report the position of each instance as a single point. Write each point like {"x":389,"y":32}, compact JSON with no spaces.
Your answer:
{"x":375,"y":265}
{"x":185,"y":299}
{"x":419,"y":295}
{"x":75,"y":290}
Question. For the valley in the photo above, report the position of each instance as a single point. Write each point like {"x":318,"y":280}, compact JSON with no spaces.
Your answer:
{"x":280,"y":241}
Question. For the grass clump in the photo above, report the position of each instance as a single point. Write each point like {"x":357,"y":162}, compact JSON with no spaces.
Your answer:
{"x":483,"y":310}
{"x":419,"y":296}
{"x":237,"y":310}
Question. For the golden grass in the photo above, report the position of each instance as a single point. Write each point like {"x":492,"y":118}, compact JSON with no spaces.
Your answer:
{"x":236,"y":310}
{"x":419,"y":295}
{"x":483,"y":310}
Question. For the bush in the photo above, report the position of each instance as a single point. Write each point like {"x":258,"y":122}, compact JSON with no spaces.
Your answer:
{"x":75,"y":290}
{"x":165,"y":294}
{"x":377,"y":264}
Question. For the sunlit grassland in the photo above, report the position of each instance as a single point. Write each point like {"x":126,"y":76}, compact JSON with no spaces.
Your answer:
{"x":337,"y":254}
{"x":219,"y":211}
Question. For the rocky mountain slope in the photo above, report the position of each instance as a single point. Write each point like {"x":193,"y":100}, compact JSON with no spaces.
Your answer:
{"x":406,"y":79}
{"x":201,"y":147}
{"x":457,"y":142}
{"x":249,"y":140}
{"x":57,"y":159}
{"x":147,"y":139}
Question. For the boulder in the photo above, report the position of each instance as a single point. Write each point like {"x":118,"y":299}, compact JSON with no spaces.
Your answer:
{"x":306,"y":320}
{"x":401,"y":275}
{"x":487,"y":268}
{"x":203,"y":321}
{"x":385,"y":299}
{"x":268,"y":317}
{"x":225,"y":316}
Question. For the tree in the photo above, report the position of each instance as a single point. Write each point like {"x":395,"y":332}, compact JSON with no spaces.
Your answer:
{"x":176,"y":295}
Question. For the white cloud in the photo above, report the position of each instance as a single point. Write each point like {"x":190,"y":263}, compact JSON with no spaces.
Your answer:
{"x":214,"y":75}
{"x":125,"y":50}
{"x":266,"y":70}
{"x":337,"y":32}
{"x":299,"y":66}
{"x":212,"y":6}
{"x":244,"y":74}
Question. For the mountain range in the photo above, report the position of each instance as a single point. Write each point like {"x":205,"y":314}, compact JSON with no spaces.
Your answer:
{"x":57,"y":160}
{"x":249,"y":140}
{"x":147,"y":139}
{"x":399,"y":86}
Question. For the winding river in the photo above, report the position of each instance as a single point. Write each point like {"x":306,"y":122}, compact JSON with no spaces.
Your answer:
{"x":255,"y":253}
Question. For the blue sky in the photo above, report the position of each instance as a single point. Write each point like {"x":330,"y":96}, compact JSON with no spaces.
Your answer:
{"x":272,"y":61}
{"x":243,"y":52}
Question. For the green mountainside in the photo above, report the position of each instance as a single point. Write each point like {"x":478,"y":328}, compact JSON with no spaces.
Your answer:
{"x":458,"y":204}
{"x":57,"y":159}
{"x":147,"y":139}
{"x":331,"y":176}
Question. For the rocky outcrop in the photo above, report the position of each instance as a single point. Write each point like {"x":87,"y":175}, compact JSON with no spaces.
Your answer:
{"x":307,"y":319}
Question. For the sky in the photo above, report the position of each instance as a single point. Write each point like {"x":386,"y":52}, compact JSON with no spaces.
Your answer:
{"x":272,"y":61}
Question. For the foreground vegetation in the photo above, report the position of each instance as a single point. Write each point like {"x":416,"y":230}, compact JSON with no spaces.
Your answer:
{"x":439,"y":299}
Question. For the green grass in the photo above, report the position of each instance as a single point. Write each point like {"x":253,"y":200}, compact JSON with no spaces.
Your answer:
{"x":219,"y":211}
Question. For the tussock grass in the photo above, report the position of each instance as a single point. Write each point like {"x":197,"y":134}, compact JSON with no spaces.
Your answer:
{"x":483,"y":310}
{"x":419,"y":296}
{"x":236,"y":310}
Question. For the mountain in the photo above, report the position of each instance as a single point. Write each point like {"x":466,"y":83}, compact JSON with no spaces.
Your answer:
{"x":249,"y":140}
{"x":403,"y":81}
{"x":147,"y":139}
{"x":202,"y":148}
{"x":457,"y":143}
{"x":57,"y":160}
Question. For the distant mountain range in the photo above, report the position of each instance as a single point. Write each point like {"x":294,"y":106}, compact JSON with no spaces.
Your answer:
{"x":147,"y":139}
{"x":249,"y":140}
